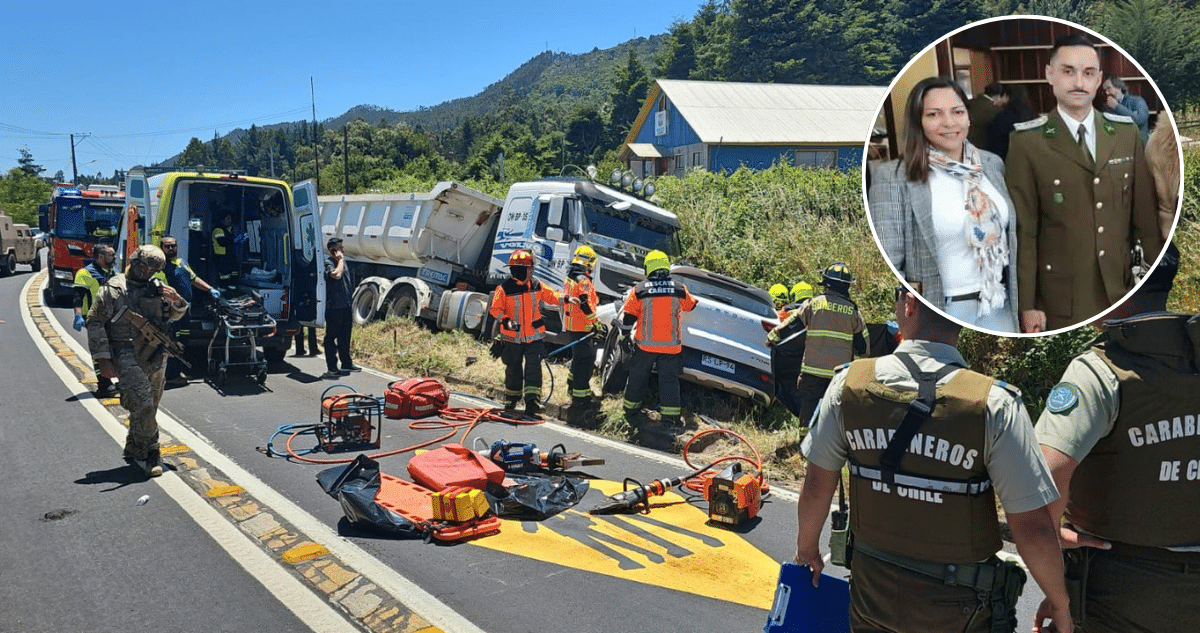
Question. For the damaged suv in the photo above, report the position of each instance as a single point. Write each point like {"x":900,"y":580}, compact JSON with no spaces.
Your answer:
{"x":724,"y":337}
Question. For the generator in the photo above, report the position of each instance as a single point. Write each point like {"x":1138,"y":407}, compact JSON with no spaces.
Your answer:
{"x":733,"y":497}
{"x":349,"y":420}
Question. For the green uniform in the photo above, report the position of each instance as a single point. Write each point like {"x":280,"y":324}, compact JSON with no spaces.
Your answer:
{"x":979,"y":429}
{"x":1126,"y":410}
{"x":141,"y":381}
{"x":1078,"y":219}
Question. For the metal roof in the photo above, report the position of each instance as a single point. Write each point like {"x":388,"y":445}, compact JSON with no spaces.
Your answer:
{"x":768,"y":114}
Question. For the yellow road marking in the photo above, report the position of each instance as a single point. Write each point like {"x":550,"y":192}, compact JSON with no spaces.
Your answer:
{"x":674,"y":547}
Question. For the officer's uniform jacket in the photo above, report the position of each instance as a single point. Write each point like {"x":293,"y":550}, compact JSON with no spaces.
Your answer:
{"x":107,"y":338}
{"x":1078,"y":222}
{"x":1127,"y":410}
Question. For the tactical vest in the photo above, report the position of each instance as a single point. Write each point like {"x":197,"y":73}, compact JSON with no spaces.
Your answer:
{"x":939,"y":505}
{"x":1140,"y":484}
{"x":575,"y":317}
{"x":830,"y":319}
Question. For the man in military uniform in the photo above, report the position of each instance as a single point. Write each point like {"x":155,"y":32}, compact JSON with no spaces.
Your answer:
{"x":833,"y":335}
{"x":88,"y":281}
{"x":1119,"y":433}
{"x":931,"y":446}
{"x":579,"y":303}
{"x":1084,"y":198}
{"x":982,"y":110}
{"x":121,"y":350}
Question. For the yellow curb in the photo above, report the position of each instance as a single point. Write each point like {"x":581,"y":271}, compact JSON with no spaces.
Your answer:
{"x":302,"y":553}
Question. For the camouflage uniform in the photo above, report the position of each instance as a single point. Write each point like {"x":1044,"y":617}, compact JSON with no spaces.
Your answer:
{"x":141,"y":380}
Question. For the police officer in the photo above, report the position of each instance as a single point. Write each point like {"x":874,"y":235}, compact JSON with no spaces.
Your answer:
{"x":224,"y":240}
{"x":516,"y":305}
{"x":1083,"y":196}
{"x":834,"y":334}
{"x":1120,"y":436}
{"x":579,"y":319}
{"x":121,"y":351}
{"x":88,"y":281}
{"x":182,"y":278}
{"x":656,"y":305}
{"x":923,"y":486}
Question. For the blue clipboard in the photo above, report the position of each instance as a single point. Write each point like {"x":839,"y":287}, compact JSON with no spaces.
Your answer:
{"x":801,"y":608}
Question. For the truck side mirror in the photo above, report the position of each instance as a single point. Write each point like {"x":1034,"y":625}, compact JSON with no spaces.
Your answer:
{"x":555,"y":234}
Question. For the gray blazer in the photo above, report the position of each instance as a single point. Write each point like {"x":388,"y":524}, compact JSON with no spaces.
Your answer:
{"x":902,"y":216}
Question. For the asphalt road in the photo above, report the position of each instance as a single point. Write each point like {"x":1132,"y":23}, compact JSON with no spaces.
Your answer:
{"x":154,"y":564}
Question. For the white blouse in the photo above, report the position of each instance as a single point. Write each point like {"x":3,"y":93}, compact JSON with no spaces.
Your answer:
{"x":956,"y":259}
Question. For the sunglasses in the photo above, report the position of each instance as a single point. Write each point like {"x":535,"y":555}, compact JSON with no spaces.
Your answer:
{"x":903,"y":290}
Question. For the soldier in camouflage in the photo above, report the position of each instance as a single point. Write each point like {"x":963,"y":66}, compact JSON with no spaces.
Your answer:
{"x":121,"y":351}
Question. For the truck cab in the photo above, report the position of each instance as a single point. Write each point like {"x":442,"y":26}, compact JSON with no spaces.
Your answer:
{"x":276,"y":261}
{"x":552,"y":217}
{"x":76,"y":219}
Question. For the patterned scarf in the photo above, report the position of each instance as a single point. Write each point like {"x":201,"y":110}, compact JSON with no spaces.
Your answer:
{"x":981,"y":226}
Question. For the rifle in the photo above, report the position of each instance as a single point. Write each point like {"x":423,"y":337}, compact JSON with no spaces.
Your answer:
{"x":154,"y":341}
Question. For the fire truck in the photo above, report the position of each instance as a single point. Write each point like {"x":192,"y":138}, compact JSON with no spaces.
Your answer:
{"x":76,"y":219}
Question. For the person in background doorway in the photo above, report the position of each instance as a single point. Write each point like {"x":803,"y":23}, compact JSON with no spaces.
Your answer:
{"x":224,"y":239}
{"x":182,"y":278}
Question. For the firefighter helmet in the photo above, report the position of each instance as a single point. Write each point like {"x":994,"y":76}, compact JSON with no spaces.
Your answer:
{"x":779,"y":293}
{"x":585,"y":256}
{"x":837,"y":274}
{"x":801,"y":291}
{"x":520,"y":257}
{"x":656,"y":260}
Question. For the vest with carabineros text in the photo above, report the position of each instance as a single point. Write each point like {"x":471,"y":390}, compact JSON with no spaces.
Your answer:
{"x":1140,"y":484}
{"x":918,"y":520}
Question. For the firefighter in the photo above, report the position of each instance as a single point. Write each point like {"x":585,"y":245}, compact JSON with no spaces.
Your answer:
{"x":224,"y":251}
{"x":779,"y":295}
{"x":834,"y":334}
{"x":88,"y":281}
{"x":579,"y":319}
{"x":656,"y":305}
{"x":121,"y":350}
{"x":801,"y":292}
{"x":516,"y":305}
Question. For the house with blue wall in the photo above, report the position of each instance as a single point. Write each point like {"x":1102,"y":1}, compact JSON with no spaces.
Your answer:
{"x":721,"y":126}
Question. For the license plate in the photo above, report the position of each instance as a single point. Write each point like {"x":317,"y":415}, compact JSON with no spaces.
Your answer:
{"x":717,"y":363}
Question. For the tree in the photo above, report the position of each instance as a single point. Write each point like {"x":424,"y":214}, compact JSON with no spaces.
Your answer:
{"x":23,"y":190}
{"x":26,"y":165}
{"x":630,"y":88}
{"x":197,"y":153}
{"x":678,"y":60}
{"x":1161,"y":36}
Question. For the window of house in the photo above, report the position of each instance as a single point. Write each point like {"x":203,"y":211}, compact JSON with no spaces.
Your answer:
{"x":696,"y":160}
{"x":815,"y":158}
{"x":678,"y":161}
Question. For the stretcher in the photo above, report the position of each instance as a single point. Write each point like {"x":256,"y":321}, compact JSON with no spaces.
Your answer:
{"x":240,"y":322}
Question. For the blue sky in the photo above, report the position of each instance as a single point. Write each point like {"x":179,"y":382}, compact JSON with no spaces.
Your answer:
{"x":141,"y":79}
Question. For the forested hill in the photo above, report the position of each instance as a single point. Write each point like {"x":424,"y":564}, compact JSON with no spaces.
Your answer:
{"x":553,"y":81}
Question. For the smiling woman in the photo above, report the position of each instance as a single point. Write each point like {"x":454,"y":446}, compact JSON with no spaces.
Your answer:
{"x":942,"y":212}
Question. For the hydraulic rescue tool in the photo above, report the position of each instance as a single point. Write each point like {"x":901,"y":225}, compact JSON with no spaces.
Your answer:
{"x":733,"y":497}
{"x":523,"y":457}
{"x":637,"y":499}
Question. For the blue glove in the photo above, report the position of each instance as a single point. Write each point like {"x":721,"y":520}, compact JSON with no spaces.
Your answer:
{"x":216,"y":294}
{"x":78,"y":324}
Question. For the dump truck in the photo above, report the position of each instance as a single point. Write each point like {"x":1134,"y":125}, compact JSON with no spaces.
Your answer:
{"x":438,"y":255}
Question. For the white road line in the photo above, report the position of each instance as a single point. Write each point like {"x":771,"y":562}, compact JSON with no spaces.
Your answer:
{"x":402,"y":589}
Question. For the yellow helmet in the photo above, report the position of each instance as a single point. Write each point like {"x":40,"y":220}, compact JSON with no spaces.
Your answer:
{"x":585,"y":256}
{"x":779,"y":293}
{"x":801,"y":291}
{"x":656,"y":260}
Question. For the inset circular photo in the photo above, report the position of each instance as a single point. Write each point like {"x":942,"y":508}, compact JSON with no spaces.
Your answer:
{"x":1023,"y":176}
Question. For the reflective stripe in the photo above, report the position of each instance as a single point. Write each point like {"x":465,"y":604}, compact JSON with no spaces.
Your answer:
{"x":935,"y":485}
{"x":817,"y":371}
{"x":673,"y":412}
{"x":581,"y":393}
{"x":630,"y":406}
{"x":841,"y":336}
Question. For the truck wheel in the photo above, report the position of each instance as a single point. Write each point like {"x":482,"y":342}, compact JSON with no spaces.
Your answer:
{"x":37,"y":262}
{"x":614,"y":369}
{"x":10,"y":264}
{"x":403,"y":305}
{"x":362,"y":304}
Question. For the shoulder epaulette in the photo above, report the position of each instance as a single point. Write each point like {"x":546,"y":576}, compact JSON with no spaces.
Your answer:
{"x":1009,"y":387}
{"x":1119,"y":118}
{"x":1030,"y":125}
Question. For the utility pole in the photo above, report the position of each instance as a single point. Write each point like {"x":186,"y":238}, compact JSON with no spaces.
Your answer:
{"x":316,"y":154}
{"x":74,"y":169}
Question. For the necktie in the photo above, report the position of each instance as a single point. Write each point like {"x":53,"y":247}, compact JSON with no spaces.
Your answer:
{"x":1083,"y":146}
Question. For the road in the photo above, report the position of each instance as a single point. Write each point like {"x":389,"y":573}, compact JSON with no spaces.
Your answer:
{"x":233,"y":539}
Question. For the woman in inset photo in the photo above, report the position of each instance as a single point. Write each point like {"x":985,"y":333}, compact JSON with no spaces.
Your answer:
{"x":943,"y":215}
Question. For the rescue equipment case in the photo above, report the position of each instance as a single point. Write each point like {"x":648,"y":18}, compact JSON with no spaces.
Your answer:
{"x":451,"y":465}
{"x":414,"y":398}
